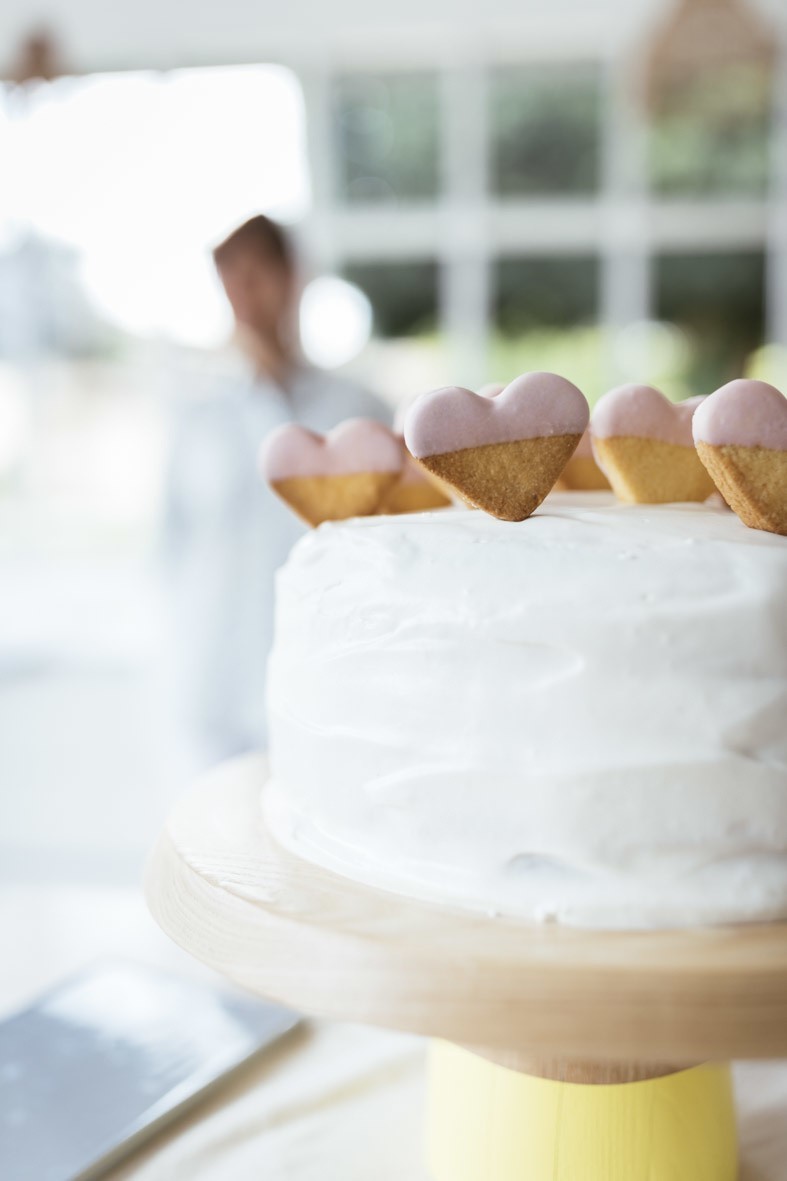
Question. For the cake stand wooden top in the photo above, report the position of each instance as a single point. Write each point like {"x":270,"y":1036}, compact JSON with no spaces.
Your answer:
{"x":223,"y":889}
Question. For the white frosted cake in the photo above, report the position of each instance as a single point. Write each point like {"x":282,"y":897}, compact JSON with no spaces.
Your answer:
{"x":579,"y":718}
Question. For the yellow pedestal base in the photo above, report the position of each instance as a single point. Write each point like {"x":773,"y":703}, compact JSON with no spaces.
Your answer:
{"x":489,"y":1123}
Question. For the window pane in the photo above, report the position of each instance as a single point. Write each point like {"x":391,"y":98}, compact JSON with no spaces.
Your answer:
{"x":717,"y":300}
{"x":545,"y":317}
{"x":714,"y":137}
{"x":388,"y":137}
{"x":407,"y":353}
{"x":545,"y":130}
{"x":403,"y":295}
{"x":535,"y":292}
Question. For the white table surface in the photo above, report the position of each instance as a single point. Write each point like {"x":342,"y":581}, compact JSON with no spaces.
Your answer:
{"x":334,"y":1103}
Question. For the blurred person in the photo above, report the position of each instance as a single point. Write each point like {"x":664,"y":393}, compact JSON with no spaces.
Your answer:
{"x":226,"y":533}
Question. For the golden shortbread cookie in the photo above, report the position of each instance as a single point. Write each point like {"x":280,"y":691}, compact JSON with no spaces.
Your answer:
{"x":752,"y":480}
{"x":508,"y":480}
{"x":346,"y":473}
{"x":644,"y":444}
{"x":335,"y":498}
{"x":500,"y":452}
{"x":650,"y":471}
{"x":416,"y":491}
{"x":741,"y":437}
{"x":582,"y":474}
{"x":414,"y":498}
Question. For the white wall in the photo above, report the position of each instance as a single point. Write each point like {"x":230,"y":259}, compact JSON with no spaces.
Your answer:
{"x":166,"y":33}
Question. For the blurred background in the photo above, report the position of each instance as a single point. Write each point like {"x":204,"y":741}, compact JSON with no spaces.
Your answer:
{"x":475,"y":190}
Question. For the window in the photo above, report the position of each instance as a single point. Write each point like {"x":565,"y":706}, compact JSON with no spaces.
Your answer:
{"x":388,"y":137}
{"x":545,"y":292}
{"x":714,"y":138}
{"x":403,"y":296}
{"x":545,"y":317}
{"x":717,"y":300}
{"x":601,"y":259}
{"x":545,"y":130}
{"x":407,"y":352}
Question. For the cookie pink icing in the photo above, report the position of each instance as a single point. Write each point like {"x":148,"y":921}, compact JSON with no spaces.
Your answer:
{"x":533,"y":406}
{"x":642,"y":412}
{"x":744,"y":412}
{"x":357,"y":445}
{"x":491,"y":389}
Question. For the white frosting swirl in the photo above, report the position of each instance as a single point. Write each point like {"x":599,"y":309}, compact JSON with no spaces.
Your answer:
{"x":580,"y":717}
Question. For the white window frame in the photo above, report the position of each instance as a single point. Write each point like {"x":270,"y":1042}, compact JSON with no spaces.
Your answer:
{"x":466,"y":228}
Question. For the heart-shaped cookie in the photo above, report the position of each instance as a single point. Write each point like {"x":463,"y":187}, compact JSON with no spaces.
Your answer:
{"x":582,"y":473}
{"x":346,"y":473}
{"x":501,"y":453}
{"x":644,"y":445}
{"x":416,"y":491}
{"x":741,"y":437}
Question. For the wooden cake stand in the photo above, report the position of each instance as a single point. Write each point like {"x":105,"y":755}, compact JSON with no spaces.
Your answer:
{"x":559,"y":1054}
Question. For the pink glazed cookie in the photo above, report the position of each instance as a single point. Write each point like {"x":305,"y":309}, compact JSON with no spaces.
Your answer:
{"x":504,"y":452}
{"x":346,"y":473}
{"x":741,"y":437}
{"x":644,"y":445}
